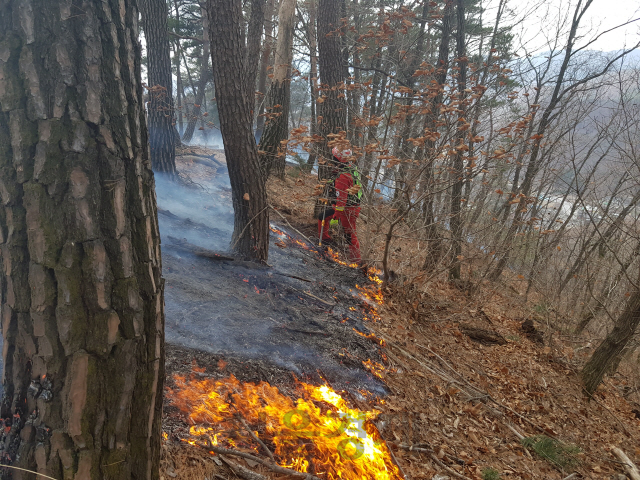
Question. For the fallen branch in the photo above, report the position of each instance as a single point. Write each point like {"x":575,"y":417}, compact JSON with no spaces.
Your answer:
{"x":629,"y":467}
{"x":517,"y":433}
{"x":520,"y":437}
{"x":294,"y":276}
{"x":329,"y":304}
{"x":420,"y":447}
{"x":571,"y":477}
{"x":241,"y":471}
{"x":393,"y":457}
{"x":291,"y":226}
{"x":448,"y":469}
{"x":271,"y":466}
{"x":255,"y":437}
{"x":485,"y":337}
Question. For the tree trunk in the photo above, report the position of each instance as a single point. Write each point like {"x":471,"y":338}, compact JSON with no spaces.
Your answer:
{"x":81,"y":292}
{"x":278,"y":100}
{"x":154,"y":14}
{"x":252,"y":51}
{"x":202,"y":83}
{"x":458,"y":162}
{"x":265,"y":60}
{"x":434,"y":249}
{"x":612,"y":346}
{"x":179,"y":86}
{"x":313,"y":77}
{"x":251,"y":228}
{"x":332,"y":115}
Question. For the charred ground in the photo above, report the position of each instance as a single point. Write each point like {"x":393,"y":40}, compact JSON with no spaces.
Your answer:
{"x":463,"y":404}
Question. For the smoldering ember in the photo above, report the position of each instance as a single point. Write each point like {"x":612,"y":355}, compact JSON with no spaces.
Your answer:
{"x":320,"y":239}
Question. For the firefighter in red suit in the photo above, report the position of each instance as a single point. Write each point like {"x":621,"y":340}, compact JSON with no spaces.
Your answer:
{"x":347,"y":203}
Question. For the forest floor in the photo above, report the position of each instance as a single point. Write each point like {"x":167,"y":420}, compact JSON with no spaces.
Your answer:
{"x":451,"y":406}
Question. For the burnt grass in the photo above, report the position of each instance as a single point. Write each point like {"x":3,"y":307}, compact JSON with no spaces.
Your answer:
{"x":297,"y":317}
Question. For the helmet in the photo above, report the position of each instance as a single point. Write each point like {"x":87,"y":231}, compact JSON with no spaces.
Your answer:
{"x":343,"y":155}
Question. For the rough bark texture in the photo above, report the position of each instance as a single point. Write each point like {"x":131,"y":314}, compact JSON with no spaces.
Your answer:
{"x":611,"y":347}
{"x":278,"y":100}
{"x":154,"y":15}
{"x":251,"y":228}
{"x":202,"y":83}
{"x":81,"y":291}
{"x":332,"y":109}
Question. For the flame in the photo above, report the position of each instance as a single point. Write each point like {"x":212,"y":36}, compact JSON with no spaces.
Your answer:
{"x":375,"y":368}
{"x":336,"y":258}
{"x":289,"y":238}
{"x":371,"y":336}
{"x":319,"y":427}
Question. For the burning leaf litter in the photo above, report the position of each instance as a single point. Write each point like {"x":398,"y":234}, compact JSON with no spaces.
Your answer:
{"x":317,"y":433}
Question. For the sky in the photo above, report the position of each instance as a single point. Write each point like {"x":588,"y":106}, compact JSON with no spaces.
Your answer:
{"x":601,"y":15}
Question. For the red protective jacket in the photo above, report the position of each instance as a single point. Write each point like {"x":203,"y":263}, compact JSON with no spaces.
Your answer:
{"x":343,"y":183}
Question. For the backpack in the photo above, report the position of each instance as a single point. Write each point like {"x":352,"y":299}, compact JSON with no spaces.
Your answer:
{"x":353,"y":199}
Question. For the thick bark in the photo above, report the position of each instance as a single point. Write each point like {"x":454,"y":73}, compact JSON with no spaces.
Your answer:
{"x":251,"y":229}
{"x":81,"y":291}
{"x":611,"y":347}
{"x":279,"y":98}
{"x":202,"y":83}
{"x":332,"y":109}
{"x":154,"y":15}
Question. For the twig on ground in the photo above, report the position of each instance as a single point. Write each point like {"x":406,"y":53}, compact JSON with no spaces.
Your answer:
{"x":520,"y":437}
{"x":255,"y":437}
{"x":247,"y":226}
{"x":329,"y":304}
{"x":242,"y":471}
{"x":571,"y":477}
{"x":420,"y":447}
{"x":294,"y":276}
{"x":448,"y":469}
{"x":393,"y":457}
{"x":517,"y":433}
{"x":291,"y":226}
{"x":271,"y":466}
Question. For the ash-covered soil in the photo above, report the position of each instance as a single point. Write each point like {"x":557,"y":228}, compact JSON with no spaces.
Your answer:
{"x":296,"y":316}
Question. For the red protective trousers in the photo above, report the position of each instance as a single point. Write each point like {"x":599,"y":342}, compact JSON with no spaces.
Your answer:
{"x":346,"y":215}
{"x":347,"y":219}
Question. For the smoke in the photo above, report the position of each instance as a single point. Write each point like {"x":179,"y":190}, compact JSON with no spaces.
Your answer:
{"x":209,"y":138}
{"x":201,"y":213}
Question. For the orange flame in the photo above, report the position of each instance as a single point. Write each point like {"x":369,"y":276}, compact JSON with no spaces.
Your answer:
{"x":375,"y":368}
{"x":336,"y":258}
{"x":289,"y":238}
{"x":319,"y":427}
